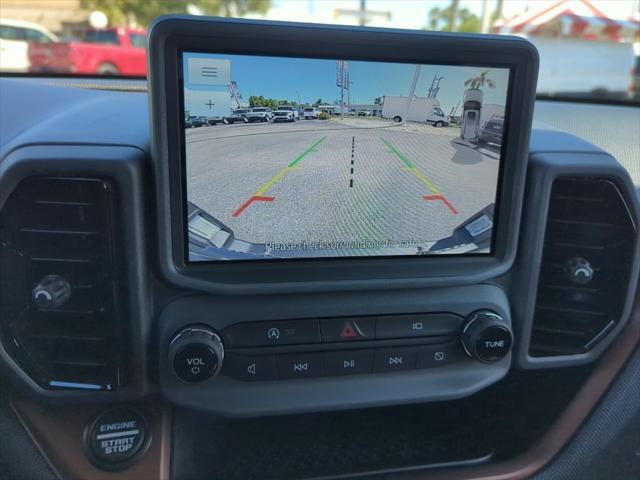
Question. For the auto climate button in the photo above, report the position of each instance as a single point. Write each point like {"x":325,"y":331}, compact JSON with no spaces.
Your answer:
{"x":262,"y":334}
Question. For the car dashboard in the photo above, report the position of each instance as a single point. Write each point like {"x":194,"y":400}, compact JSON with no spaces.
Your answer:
{"x":92,"y":332}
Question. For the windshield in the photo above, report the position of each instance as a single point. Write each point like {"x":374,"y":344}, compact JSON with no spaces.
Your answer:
{"x":589,"y":49}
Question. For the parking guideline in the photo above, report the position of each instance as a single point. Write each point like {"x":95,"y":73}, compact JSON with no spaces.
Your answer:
{"x":259,"y":196}
{"x":437,"y":195}
{"x":305,"y":153}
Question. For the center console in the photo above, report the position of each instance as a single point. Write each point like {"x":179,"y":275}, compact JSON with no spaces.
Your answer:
{"x":367,"y":241}
{"x":445,"y":344}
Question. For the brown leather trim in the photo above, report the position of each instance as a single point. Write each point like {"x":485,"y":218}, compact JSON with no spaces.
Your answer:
{"x":527,"y":464}
{"x":59,"y":431}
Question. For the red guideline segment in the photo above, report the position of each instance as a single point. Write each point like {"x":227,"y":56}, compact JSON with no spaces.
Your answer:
{"x":443,"y":199}
{"x":246,"y":204}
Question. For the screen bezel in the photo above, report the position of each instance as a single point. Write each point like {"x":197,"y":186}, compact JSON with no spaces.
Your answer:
{"x":170,"y":36}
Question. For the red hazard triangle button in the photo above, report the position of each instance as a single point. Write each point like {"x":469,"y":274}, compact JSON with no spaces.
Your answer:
{"x":347,"y":329}
{"x":350,"y":330}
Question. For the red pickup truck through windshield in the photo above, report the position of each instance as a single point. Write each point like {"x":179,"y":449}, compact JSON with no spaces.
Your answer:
{"x":115,"y":51}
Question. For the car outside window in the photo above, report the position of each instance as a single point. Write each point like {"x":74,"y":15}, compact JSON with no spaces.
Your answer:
{"x":36,"y":36}
{"x":7,"y":32}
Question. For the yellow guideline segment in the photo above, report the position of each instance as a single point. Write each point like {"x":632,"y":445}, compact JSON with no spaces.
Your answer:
{"x":425,"y":181}
{"x":410,"y":167}
{"x":292,"y":166}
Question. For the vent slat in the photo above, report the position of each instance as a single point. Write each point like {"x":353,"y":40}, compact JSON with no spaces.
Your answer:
{"x":587,"y":221}
{"x":41,"y":231}
{"x":64,"y":227}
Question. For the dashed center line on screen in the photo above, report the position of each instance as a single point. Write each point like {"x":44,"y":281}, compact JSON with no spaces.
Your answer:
{"x":353,"y":152}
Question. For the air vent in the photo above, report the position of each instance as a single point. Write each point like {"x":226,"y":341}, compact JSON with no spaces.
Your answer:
{"x":586,"y":267}
{"x":61,"y":231}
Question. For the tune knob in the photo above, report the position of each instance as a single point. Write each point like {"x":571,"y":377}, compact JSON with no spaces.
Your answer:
{"x":51,"y":292}
{"x":486,"y":336}
{"x":196,"y":354}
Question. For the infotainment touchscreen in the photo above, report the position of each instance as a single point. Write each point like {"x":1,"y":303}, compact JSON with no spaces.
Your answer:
{"x":289,"y":158}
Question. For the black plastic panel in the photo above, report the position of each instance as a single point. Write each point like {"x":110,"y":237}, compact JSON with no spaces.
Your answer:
{"x":492,"y":425}
{"x":110,"y":239}
{"x":602,"y":229}
{"x":284,"y":393}
{"x":589,"y":223}
{"x":64,"y":227}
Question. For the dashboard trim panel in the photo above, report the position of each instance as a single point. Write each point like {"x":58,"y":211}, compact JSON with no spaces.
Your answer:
{"x":125,"y":166}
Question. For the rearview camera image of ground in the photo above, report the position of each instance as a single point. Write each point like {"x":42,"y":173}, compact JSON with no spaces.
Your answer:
{"x":305,"y":158}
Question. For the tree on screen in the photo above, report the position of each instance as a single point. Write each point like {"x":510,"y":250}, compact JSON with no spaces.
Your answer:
{"x":141,"y":12}
{"x":261,"y":101}
{"x":480,"y":81}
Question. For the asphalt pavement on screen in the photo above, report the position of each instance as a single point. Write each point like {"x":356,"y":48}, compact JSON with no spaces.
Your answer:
{"x":338,"y":180}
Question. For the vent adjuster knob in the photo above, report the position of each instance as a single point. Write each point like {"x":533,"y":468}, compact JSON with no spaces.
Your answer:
{"x":52,"y":291}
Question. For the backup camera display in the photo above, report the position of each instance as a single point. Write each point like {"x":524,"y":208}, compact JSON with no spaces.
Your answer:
{"x":290,"y":158}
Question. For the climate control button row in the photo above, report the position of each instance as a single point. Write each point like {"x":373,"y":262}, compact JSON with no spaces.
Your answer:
{"x":345,"y":329}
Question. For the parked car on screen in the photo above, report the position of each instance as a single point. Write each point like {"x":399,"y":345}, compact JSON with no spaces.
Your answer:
{"x":110,"y":51}
{"x":635,"y":87}
{"x":193,"y":122}
{"x":311,"y":113}
{"x":237,"y":115}
{"x":260,"y":114}
{"x":215,"y":120}
{"x":285,"y":113}
{"x":15,"y":37}
{"x":364,"y":113}
{"x":491,"y":132}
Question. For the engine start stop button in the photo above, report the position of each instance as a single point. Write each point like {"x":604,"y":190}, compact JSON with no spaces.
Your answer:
{"x":117,"y":436}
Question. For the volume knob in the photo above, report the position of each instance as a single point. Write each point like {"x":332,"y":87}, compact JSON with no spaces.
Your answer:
{"x":486,"y":336}
{"x":196,"y":354}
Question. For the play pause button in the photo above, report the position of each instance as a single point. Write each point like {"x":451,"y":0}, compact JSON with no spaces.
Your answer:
{"x":348,"y":362}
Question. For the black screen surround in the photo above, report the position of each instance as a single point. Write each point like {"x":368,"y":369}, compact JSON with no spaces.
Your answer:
{"x":169,"y":37}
